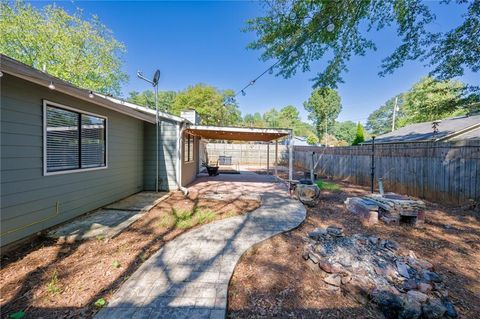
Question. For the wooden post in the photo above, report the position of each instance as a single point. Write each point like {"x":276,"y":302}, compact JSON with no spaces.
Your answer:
{"x":268,"y":158}
{"x":290,"y":157}
{"x":276,"y":157}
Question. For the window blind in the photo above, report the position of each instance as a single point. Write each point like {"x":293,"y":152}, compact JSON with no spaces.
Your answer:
{"x":74,"y":140}
{"x":62,"y":140}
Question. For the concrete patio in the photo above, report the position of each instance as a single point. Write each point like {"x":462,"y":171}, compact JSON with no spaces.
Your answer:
{"x":189,"y":276}
{"x":110,"y":220}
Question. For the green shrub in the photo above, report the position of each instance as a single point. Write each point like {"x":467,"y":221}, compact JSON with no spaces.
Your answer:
{"x":204,"y":216}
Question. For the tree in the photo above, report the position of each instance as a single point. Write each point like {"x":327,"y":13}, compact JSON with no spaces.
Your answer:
{"x":312,"y":140}
{"x":297,"y":33}
{"x":360,"y":135}
{"x":83,"y":52}
{"x":345,"y":131}
{"x":431,"y":99}
{"x":209,"y":103}
{"x":323,"y":106}
{"x":147,"y":98}
{"x":380,"y":121}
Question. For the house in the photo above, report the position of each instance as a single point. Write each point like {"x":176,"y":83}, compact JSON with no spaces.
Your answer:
{"x":66,"y":151}
{"x":465,"y":127}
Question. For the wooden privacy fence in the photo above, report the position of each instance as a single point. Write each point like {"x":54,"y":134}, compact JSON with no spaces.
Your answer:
{"x":447,"y":172}
{"x":247,"y":154}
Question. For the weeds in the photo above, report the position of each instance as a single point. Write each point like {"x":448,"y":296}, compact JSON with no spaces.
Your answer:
{"x":183,"y":218}
{"x":167,"y":221}
{"x":327,"y":186}
{"x":116,"y":264}
{"x":53,"y":286}
{"x":204,"y":216}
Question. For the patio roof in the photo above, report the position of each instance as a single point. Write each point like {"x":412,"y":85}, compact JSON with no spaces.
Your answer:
{"x":237,"y":133}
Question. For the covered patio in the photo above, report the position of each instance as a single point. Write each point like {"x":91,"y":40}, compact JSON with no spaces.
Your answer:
{"x":266,"y":135}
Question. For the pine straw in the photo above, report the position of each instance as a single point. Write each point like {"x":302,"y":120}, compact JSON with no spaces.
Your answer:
{"x":273,"y":280}
{"x":52,"y":280}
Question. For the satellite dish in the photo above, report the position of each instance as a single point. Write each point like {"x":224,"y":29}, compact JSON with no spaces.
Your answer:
{"x":156,"y":77}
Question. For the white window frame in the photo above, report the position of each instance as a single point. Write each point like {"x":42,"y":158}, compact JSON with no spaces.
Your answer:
{"x":47,"y":103}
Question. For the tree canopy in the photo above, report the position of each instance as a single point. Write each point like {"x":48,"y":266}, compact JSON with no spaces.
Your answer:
{"x":83,"y":52}
{"x":209,"y":102}
{"x":323,"y":106}
{"x":345,"y":131}
{"x":431,"y":99}
{"x":380,"y":121}
{"x":297,"y":33}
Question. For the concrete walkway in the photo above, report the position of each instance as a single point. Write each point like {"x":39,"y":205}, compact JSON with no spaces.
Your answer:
{"x":189,"y":276}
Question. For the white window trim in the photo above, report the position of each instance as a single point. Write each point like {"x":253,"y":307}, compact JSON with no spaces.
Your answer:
{"x":75,"y":170}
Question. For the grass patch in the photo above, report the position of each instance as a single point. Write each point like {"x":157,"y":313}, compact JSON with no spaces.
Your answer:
{"x":204,"y":216}
{"x":183,"y":218}
{"x":167,"y":221}
{"x":327,"y":186}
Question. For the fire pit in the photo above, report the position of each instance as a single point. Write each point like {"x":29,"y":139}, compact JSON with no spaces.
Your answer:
{"x":377,"y":270}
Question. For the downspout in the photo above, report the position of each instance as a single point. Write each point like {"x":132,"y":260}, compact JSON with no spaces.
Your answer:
{"x":179,"y":159}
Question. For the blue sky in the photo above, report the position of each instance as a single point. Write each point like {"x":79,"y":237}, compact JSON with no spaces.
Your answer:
{"x":193,"y":42}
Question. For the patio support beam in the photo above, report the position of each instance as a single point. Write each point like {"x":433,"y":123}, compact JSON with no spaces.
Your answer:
{"x":276,"y":157}
{"x":290,"y":156}
{"x":268,"y":158}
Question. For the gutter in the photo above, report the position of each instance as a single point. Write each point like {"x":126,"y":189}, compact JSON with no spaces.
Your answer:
{"x":178,"y":172}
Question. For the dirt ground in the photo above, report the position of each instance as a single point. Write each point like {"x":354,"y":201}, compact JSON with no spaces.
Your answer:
{"x":272,"y":280}
{"x":50,"y":280}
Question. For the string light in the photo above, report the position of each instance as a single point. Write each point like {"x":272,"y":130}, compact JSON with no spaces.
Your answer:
{"x":291,"y":53}
{"x":1,"y":74}
{"x":51,"y":86}
{"x":90,"y":95}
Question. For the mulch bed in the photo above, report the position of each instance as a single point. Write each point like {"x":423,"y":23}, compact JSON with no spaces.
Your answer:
{"x":51,"y":280}
{"x":273,"y":280}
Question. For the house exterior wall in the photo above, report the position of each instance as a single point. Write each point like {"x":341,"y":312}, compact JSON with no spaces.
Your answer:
{"x":167,"y":156}
{"x":30,"y":201}
{"x":190,"y":169}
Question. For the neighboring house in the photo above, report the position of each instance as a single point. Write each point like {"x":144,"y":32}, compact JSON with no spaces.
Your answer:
{"x":66,"y":151}
{"x":466,"y":127}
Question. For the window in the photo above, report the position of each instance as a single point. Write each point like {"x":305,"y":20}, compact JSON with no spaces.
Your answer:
{"x":189,"y":147}
{"x":73,"y":140}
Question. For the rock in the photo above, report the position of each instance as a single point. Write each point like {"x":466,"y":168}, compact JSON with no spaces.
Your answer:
{"x":317,"y":232}
{"x":337,"y":268}
{"x":312,"y":265}
{"x":434,"y":309}
{"x":373,"y":240}
{"x":425,"y":264}
{"x":390,"y":304}
{"x":334,"y":280}
{"x":412,"y":310}
{"x":431,"y":276}
{"x":346,"y":279}
{"x":424,"y":287}
{"x":325,"y":266}
{"x":451,"y":312}
{"x":335,"y":231}
{"x":306,"y":251}
{"x":391,"y":244}
{"x":416,"y":296}
{"x":321,"y":250}
{"x":308,"y":194}
{"x":402,"y":269}
{"x":314,"y":257}
{"x":410,"y":284}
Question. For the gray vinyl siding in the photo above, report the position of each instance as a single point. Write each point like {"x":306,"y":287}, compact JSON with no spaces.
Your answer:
{"x":167,"y":156}
{"x":29,"y":199}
